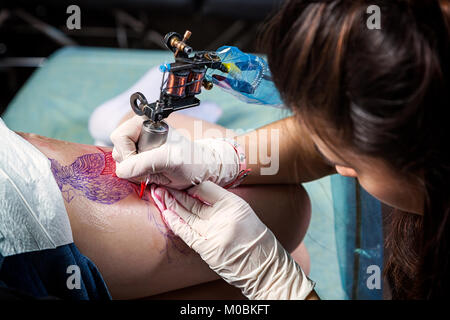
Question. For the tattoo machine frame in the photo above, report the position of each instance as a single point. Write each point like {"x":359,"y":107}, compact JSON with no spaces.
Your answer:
{"x":185,"y":78}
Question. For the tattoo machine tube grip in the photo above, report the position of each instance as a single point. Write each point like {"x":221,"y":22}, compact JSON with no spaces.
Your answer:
{"x":153,"y":135}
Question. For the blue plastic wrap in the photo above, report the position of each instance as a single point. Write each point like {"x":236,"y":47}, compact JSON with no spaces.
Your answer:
{"x":248,"y":77}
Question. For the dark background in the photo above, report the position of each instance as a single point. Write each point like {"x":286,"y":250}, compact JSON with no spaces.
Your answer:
{"x":32,"y":30}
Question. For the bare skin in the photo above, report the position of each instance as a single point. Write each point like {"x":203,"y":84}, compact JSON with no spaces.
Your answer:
{"x":299,"y":160}
{"x":375,"y":175}
{"x":135,"y":252}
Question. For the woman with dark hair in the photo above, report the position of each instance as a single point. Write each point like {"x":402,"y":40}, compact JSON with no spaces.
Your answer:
{"x":369,"y":104}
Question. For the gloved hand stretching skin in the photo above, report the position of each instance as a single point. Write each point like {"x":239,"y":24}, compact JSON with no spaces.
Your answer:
{"x":179,"y":163}
{"x":229,"y":236}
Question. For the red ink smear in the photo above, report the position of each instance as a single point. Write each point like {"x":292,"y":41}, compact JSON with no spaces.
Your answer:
{"x":110,"y":165}
{"x":151,"y":195}
{"x":110,"y":170}
{"x":143,"y":186}
{"x":199,"y":199}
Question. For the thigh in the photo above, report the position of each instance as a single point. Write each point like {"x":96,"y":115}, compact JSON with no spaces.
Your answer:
{"x":128,"y":241}
{"x":140,"y":257}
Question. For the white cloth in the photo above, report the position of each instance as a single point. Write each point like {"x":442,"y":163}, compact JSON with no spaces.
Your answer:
{"x":107,"y":116}
{"x":32,"y":212}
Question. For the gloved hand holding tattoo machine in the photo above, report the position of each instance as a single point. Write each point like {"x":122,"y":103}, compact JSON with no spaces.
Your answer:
{"x":244,"y":75}
{"x":173,"y":164}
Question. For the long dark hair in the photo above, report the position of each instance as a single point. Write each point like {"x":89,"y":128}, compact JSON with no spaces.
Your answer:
{"x":385,"y":92}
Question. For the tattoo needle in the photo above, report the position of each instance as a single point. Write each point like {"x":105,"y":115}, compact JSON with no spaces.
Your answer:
{"x":144,"y":186}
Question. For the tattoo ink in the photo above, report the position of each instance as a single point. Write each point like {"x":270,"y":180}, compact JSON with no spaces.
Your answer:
{"x":92,"y":176}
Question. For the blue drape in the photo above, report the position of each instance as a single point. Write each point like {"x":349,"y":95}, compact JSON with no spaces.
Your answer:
{"x":359,"y":238}
{"x":45,"y":273}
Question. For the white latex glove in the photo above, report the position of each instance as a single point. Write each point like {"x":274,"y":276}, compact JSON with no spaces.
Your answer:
{"x":179,"y":163}
{"x":229,"y":236}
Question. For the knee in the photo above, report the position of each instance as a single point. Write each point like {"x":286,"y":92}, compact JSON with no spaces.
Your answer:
{"x":296,"y":225}
{"x":295,"y":222}
{"x":284,"y":209}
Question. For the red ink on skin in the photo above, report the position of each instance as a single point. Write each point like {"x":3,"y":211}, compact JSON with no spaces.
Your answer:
{"x":91,"y":176}
{"x":157,"y":207}
{"x":110,"y":165}
{"x":164,"y":227}
{"x":110,"y":170}
{"x":143,"y":186}
{"x":160,"y":203}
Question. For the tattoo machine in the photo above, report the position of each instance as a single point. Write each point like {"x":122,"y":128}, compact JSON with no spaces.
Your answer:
{"x":244,"y":75}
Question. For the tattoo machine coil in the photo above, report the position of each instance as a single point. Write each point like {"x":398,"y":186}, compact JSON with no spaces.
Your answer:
{"x":184,"y":80}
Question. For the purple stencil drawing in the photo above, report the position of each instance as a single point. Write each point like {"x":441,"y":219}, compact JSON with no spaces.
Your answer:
{"x":172,"y":240}
{"x":170,"y":237}
{"x":92,"y":175}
